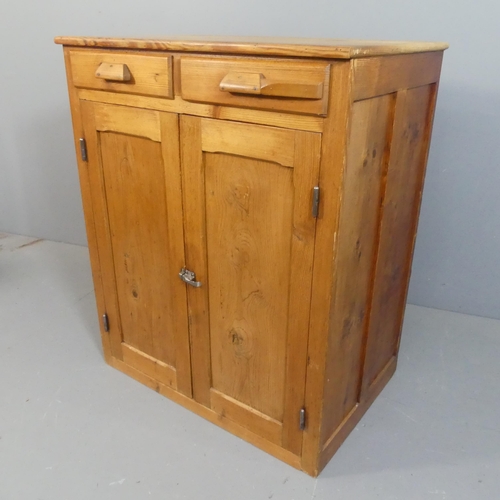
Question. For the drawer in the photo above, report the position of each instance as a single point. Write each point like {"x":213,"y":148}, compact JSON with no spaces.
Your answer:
{"x":131,"y":73}
{"x":277,"y":84}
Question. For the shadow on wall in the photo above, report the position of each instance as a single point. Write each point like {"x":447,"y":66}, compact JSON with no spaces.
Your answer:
{"x":456,"y":265}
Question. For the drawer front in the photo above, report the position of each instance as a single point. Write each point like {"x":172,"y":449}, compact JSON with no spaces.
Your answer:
{"x":117,"y":72}
{"x":278,"y":84}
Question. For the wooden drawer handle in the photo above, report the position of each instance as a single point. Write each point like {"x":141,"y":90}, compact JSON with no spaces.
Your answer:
{"x":113,"y":72}
{"x":256,"y":84}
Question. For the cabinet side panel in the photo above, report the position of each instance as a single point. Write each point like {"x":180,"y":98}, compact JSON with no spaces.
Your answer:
{"x":412,"y":127}
{"x":410,"y":124}
{"x":367,"y":154}
{"x":375,"y":76}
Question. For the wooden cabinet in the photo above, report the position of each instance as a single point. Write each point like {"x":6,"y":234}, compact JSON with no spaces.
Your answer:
{"x":251,"y":219}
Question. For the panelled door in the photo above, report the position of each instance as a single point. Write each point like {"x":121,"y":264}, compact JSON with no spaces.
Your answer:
{"x":134,"y":172}
{"x":249,"y":233}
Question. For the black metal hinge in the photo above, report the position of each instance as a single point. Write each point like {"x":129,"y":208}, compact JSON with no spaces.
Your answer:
{"x":302,"y":419}
{"x":315,"y":201}
{"x":83,"y":149}
{"x":105,"y":322}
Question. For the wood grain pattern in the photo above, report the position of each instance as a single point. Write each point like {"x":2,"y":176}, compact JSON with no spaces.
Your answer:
{"x":413,"y":119}
{"x":143,"y":250}
{"x":113,"y":72}
{"x":149,"y":365}
{"x":281,"y":72}
{"x":241,"y":82}
{"x":101,"y":225}
{"x":416,"y":207}
{"x":193,"y":191}
{"x":133,"y":171}
{"x":170,"y":139}
{"x":283,"y":120}
{"x":178,"y":105}
{"x":131,"y":121}
{"x":256,"y":291}
{"x":265,"y":46}
{"x":367,"y":155}
{"x":271,"y":144}
{"x":149,"y":74}
{"x":353,"y":418}
{"x":249,"y":208}
{"x":383,"y":75}
{"x":305,"y":177}
{"x":248,"y":417}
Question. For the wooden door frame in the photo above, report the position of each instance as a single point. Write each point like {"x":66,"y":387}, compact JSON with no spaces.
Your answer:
{"x":161,"y":127}
{"x":305,"y":157}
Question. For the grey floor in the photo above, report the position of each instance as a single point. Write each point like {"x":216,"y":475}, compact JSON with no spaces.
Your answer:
{"x":73,"y":428}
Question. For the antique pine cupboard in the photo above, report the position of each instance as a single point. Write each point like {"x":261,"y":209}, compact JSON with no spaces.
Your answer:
{"x":251,"y":208}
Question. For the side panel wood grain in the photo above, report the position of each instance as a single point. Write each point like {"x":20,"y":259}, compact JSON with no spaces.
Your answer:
{"x":375,"y":76}
{"x":371,"y":124}
{"x":412,"y":127}
{"x":354,"y":416}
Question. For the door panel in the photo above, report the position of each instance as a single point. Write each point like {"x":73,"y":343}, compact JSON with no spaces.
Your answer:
{"x":134,"y":162}
{"x":274,"y":145}
{"x":135,"y":194}
{"x":250,"y":240}
{"x":249,"y":207}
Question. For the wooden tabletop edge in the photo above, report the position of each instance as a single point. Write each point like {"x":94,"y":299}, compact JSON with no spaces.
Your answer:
{"x":296,"y":47}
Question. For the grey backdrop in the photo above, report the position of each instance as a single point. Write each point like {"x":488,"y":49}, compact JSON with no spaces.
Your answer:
{"x":457,"y":257}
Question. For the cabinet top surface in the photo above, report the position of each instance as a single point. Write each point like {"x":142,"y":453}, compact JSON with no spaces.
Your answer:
{"x":270,"y":46}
